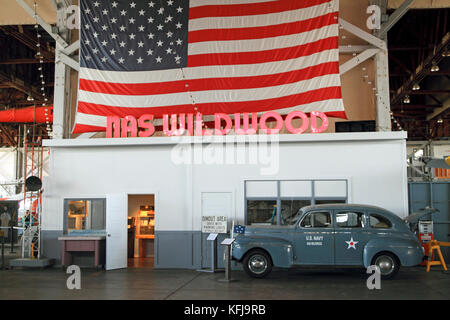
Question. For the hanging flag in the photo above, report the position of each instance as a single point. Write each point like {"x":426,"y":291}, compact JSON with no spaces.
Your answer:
{"x":239,"y":229}
{"x":209,"y":56}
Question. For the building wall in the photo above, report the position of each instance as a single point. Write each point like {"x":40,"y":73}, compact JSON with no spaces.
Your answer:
{"x":7,"y":170}
{"x":373,"y":165}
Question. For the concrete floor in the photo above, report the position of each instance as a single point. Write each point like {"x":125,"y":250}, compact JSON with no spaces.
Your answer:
{"x":141,"y":283}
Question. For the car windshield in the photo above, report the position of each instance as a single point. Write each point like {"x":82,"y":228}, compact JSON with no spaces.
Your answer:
{"x":294,"y":218}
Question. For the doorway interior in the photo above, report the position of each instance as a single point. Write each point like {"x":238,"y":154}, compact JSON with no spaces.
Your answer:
{"x":141,"y":230}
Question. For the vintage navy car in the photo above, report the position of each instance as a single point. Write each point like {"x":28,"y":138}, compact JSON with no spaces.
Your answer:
{"x":330,"y":235}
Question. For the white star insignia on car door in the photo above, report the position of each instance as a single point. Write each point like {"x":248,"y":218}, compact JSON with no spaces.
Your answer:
{"x":352,"y":243}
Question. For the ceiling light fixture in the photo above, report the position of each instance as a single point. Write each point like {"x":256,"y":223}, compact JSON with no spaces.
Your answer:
{"x":435,"y":67}
{"x":406,"y":100}
{"x":416,"y":87}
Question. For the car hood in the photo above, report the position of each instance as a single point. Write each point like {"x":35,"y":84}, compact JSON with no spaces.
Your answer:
{"x":265,"y":229}
{"x":415,"y":216}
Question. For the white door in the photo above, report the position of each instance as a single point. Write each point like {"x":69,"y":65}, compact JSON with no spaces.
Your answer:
{"x":116,"y":231}
{"x":216,"y":204}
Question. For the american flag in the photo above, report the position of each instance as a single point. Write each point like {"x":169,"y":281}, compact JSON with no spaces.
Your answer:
{"x":209,"y":56}
{"x":239,"y":229}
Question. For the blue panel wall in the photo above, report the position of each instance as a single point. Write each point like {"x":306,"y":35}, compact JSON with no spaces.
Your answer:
{"x":436,"y":195}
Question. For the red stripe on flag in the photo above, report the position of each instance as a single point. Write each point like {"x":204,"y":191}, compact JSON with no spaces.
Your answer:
{"x":262,"y":32}
{"x":218,"y":107}
{"x":136,"y":89}
{"x":249,"y":9}
{"x":236,"y":58}
{"x":83,"y":128}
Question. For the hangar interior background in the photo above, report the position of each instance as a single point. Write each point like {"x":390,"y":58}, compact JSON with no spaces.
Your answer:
{"x":405,"y":89}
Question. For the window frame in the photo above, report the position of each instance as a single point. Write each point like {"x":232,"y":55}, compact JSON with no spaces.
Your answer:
{"x":369,"y":225}
{"x":299,"y":223}
{"x":66,"y":207}
{"x":363,"y":218}
{"x":279,"y":198}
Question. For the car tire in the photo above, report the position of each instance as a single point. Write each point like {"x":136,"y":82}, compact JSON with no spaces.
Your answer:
{"x":388,"y":263}
{"x":257,"y":263}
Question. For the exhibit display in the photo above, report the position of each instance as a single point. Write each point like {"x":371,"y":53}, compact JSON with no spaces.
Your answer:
{"x":330,"y":235}
{"x":227,"y":150}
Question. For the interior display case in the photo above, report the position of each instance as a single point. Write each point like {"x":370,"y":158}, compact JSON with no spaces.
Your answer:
{"x":145,"y":223}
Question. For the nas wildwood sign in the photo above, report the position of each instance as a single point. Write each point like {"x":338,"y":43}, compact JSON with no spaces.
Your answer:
{"x":192,"y":125}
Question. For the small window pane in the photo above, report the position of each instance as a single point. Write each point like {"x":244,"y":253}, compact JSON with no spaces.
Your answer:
{"x":330,"y":189}
{"x":349,"y":220}
{"x":329,"y":201}
{"x":290,"y":209}
{"x":379,"y":222}
{"x":318,"y":219}
{"x":262,"y":212}
{"x":85,"y":215}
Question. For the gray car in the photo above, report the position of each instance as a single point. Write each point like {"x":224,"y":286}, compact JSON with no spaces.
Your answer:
{"x":338,"y":235}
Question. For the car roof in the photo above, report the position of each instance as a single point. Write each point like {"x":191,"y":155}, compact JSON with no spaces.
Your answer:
{"x":330,"y":206}
{"x":396,"y":220}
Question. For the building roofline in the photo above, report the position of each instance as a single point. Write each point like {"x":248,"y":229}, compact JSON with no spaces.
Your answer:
{"x":283,"y":138}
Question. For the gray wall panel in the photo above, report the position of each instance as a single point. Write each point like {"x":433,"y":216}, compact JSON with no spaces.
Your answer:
{"x":175,"y":249}
{"x":51,"y":246}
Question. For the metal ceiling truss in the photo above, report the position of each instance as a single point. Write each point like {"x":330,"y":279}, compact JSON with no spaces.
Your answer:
{"x":377,"y":48}
{"x":422,"y":71}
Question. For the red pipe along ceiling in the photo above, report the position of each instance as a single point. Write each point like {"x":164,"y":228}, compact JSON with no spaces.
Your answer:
{"x":27,"y":115}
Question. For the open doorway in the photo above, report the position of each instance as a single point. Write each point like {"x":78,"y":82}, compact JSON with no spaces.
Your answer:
{"x":141,"y":231}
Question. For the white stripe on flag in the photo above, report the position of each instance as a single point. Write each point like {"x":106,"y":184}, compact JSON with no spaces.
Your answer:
{"x":211,"y":96}
{"x":207,"y":72}
{"x":255,"y":45}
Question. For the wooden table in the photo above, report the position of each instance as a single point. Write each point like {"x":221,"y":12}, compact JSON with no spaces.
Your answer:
{"x":141,"y":238}
{"x":94,"y":244}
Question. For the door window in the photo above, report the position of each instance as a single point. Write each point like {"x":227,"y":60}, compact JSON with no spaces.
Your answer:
{"x":379,"y":222}
{"x":317,"y":219}
{"x":349,"y":219}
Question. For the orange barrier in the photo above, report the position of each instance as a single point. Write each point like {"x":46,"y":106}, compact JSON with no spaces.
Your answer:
{"x":442,"y":173}
{"x":436,"y":245}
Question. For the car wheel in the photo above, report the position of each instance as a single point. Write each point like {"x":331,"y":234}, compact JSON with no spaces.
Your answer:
{"x":257,"y":264}
{"x":388,"y":264}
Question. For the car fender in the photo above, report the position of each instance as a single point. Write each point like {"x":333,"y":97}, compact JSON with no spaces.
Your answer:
{"x":408,"y":251}
{"x":280,"y":250}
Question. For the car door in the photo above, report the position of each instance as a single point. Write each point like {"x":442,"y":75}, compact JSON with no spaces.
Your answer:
{"x":350,"y":237}
{"x":313,"y":239}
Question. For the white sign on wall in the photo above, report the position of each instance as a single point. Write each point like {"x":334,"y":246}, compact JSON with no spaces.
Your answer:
{"x":214,"y":224}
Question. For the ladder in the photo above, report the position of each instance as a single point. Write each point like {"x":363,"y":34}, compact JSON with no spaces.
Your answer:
{"x":33,"y":166}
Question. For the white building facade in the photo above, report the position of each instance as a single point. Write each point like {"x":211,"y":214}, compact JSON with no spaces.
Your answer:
{"x":216,"y":178}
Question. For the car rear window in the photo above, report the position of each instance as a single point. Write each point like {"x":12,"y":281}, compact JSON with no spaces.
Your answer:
{"x":379,"y":222}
